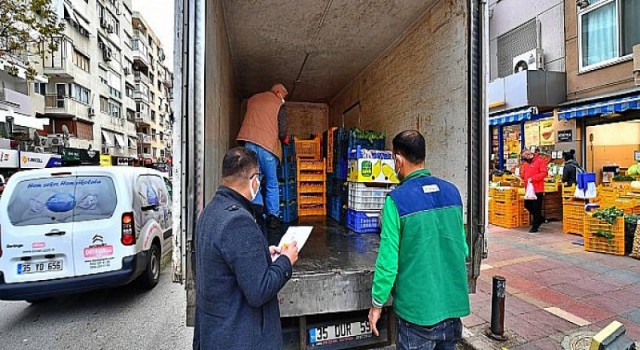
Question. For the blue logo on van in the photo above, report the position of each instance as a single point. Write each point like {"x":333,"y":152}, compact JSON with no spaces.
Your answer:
{"x":152,"y":196}
{"x":61,"y":202}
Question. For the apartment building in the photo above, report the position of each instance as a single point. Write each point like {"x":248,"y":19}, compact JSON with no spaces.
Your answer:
{"x":99,"y":93}
{"x":153,"y":84}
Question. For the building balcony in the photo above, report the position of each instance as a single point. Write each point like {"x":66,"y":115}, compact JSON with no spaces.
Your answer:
{"x":139,"y":95}
{"x":60,"y":68}
{"x":66,"y":106}
{"x":144,"y":138}
{"x":140,"y":77}
{"x":140,"y":52}
{"x":531,"y":88}
{"x":143,"y":119}
{"x":16,"y":101}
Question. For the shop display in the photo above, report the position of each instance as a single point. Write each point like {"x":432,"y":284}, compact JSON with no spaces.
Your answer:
{"x":604,"y":231}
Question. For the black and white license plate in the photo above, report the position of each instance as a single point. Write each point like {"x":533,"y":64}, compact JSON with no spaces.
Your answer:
{"x":341,"y":332}
{"x":49,"y":266}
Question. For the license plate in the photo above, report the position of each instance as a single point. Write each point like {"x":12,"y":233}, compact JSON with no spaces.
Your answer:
{"x":49,"y":266}
{"x":340,"y":332}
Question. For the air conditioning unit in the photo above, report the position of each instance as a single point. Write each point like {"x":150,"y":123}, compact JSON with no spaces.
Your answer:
{"x":110,"y":28}
{"x":92,"y":111}
{"x":108,"y":54}
{"x":532,"y":60}
{"x":55,"y":141}
{"x":127,"y":71}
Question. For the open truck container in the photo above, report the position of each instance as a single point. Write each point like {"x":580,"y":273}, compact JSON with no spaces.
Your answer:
{"x":384,"y":65}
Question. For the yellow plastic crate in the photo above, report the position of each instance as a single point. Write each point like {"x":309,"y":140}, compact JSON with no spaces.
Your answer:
{"x":309,"y":148}
{"x":506,"y":221}
{"x":573,"y":226}
{"x":592,"y":225}
{"x":506,"y":194}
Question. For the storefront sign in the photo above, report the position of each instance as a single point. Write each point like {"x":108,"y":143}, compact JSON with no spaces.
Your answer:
{"x":120,"y":161}
{"x":547,"y":133}
{"x":79,"y":156}
{"x":30,"y":160}
{"x":70,"y":155}
{"x":105,"y":160}
{"x":565,"y":135}
{"x":532,"y":134}
{"x":9,"y":158}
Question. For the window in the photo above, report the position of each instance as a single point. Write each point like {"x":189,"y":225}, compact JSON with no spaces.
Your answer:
{"x":608,"y":31}
{"x":152,"y":77}
{"x":161,"y":153}
{"x":161,"y":136}
{"x":154,"y":153}
{"x":81,"y":61}
{"x":145,"y":150}
{"x":80,"y":93}
{"x":153,"y":134}
{"x":104,"y":105}
{"x":152,"y":97}
{"x":129,"y":90}
{"x":153,"y":116}
{"x":131,"y":115}
{"x":127,"y":39}
{"x":103,"y":75}
{"x":40,"y":88}
{"x":115,"y":109}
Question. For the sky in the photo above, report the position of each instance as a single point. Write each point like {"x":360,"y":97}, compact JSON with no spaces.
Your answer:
{"x":160,"y":16}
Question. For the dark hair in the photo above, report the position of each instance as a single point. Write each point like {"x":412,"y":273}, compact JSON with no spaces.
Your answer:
{"x":238,"y":162}
{"x":410,"y":144}
{"x":569,"y":155}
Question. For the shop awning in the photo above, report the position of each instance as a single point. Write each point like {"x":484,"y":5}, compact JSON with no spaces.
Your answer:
{"x":133,"y":143}
{"x":106,"y":139}
{"x":120,"y":141}
{"x":613,"y":105}
{"x":513,"y":116}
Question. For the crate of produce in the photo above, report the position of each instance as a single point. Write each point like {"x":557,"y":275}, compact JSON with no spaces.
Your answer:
{"x":601,"y":237}
{"x":596,"y":244}
{"x":504,"y":193}
{"x":363,"y":222}
{"x":506,"y":221}
{"x":592,"y":226}
{"x":287,"y":171}
{"x":287,"y":190}
{"x":366,"y":139}
{"x":372,"y":171}
{"x":365,"y":198}
{"x":312,"y":210}
{"x":308,"y":148}
{"x":574,"y":210}
{"x":318,"y":176}
{"x":358,"y":153}
{"x":628,"y":205}
{"x":288,"y":211}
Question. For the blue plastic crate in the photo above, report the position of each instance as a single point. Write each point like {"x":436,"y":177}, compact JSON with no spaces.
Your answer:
{"x":288,"y":211}
{"x":338,"y":188}
{"x":335,"y":208}
{"x":365,"y":143}
{"x":287,"y":171}
{"x":363,"y":222}
{"x":340,"y":168}
{"x":289,"y":151}
{"x":288,"y":190}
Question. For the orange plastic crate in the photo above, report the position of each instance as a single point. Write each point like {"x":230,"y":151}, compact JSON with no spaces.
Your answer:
{"x":311,"y":187}
{"x":310,"y":164}
{"x":506,"y":221}
{"x":596,"y":244}
{"x":510,"y":194}
{"x":592,"y":225}
{"x":312,"y":177}
{"x":574,"y":210}
{"x":312,"y":210}
{"x":573,"y":226}
{"x":330,"y":133}
{"x":309,"y":148}
{"x":319,"y":199}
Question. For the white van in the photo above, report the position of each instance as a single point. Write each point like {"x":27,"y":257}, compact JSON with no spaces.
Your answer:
{"x":70,"y":230}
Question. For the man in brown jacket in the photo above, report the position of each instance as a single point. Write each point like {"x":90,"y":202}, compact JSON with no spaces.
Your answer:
{"x":262,"y":130}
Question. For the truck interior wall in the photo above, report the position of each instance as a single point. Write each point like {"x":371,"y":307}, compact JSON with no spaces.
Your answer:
{"x":222,"y":100}
{"x":420,"y":82}
{"x":304,"y":119}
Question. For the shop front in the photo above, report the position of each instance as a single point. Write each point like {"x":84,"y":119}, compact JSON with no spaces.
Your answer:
{"x":79,"y":157}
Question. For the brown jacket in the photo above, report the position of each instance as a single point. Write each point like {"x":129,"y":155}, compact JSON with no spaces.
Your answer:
{"x":260,"y":125}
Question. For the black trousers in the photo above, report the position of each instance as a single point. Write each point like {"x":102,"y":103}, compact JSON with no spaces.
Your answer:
{"x":535,"y":209}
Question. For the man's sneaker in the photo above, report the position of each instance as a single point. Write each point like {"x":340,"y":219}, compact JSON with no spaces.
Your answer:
{"x":533,"y":230}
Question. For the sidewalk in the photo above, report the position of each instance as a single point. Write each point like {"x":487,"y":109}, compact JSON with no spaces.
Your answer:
{"x":555,"y":290}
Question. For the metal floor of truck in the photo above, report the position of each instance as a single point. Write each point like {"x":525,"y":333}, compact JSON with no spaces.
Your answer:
{"x":332,"y":247}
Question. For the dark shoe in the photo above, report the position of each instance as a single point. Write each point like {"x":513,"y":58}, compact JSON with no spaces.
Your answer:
{"x":533,"y":230}
{"x":273,"y":222}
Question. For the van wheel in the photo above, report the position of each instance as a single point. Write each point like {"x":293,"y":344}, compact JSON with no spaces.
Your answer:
{"x":151,"y":275}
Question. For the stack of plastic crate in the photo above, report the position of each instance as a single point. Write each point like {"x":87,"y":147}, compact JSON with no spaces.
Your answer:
{"x":523,"y":213}
{"x":573,"y":215}
{"x":370,"y":180}
{"x":337,"y":192}
{"x":505,"y":208}
{"x":312,"y":178}
{"x":287,"y":184}
{"x":601,"y":237}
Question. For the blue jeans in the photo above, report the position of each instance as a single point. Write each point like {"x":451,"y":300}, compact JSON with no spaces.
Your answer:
{"x":269,"y":195}
{"x":442,"y":336}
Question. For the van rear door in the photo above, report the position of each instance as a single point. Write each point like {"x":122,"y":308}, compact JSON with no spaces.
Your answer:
{"x":97,"y":232}
{"x":37,"y":232}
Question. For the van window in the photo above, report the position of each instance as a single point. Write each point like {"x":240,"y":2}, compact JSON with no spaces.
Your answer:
{"x":62,"y":200}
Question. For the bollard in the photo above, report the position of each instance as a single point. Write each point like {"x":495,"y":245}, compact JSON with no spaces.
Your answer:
{"x":497,"y":308}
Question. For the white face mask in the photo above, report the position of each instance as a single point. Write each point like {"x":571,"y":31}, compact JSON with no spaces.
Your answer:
{"x":254,"y":193}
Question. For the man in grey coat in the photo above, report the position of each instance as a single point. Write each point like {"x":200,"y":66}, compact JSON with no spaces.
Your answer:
{"x":236,"y":280}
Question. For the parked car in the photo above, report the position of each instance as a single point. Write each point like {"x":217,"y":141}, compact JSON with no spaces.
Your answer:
{"x":70,"y":230}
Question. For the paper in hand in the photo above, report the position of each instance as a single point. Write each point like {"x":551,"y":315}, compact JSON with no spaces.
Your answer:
{"x":300,"y":234}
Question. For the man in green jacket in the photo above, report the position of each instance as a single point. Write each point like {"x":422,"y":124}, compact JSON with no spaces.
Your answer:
{"x":423,"y":251}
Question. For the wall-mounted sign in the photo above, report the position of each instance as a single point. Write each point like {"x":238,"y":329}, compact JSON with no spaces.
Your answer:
{"x":105,"y":160}
{"x":30,"y":160}
{"x":8,"y":158}
{"x":636,"y":156}
{"x":565,"y":135}
{"x":547,"y":132}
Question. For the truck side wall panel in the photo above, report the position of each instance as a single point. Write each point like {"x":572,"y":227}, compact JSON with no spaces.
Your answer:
{"x":222,"y":101}
{"x":304,"y":119}
{"x":420,"y":83}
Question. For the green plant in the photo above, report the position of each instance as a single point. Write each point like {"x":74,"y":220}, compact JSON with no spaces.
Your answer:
{"x":609,"y":215}
{"x":604,"y":234}
{"x":631,"y":219}
{"x":624,"y":178}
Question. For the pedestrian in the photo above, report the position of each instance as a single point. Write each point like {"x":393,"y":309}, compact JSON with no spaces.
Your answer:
{"x":262,"y":131}
{"x":422,"y":255}
{"x":236,"y":280}
{"x":534,"y":171}
{"x":571,"y":168}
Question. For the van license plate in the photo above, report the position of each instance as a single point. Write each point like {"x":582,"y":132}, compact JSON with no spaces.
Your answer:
{"x":339,"y":333}
{"x":49,"y":266}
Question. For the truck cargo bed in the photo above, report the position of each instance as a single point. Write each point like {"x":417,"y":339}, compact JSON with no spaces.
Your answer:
{"x":334,"y":272}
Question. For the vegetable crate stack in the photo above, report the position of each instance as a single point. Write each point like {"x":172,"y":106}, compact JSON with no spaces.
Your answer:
{"x":287,"y":184}
{"x":312,"y":178}
{"x":371,"y":178}
{"x":505,"y":207}
{"x":604,"y":231}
